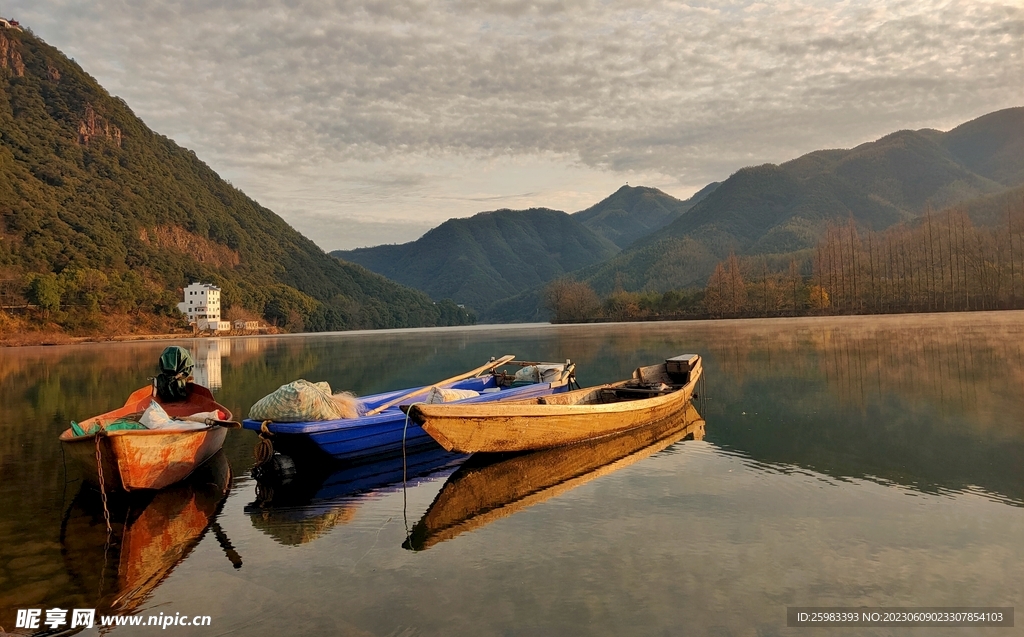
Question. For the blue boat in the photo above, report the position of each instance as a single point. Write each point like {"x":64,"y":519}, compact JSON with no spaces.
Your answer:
{"x":365,"y":438}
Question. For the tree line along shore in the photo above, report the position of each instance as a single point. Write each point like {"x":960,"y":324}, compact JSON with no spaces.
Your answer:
{"x":940,"y":263}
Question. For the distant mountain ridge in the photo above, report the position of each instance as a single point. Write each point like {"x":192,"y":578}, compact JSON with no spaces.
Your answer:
{"x":490,"y":256}
{"x":87,"y":187}
{"x":775,"y":209}
{"x":631,"y":213}
{"x":666,"y":243}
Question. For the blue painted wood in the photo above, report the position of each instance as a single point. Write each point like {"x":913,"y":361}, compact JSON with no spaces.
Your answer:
{"x":352,"y":439}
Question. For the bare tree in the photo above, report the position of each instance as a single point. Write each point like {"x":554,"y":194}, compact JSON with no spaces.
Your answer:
{"x":570,"y":300}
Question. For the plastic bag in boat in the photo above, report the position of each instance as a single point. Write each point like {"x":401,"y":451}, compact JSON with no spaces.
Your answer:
{"x":303,"y":401}
{"x":155,"y":417}
{"x":540,"y":373}
{"x":439,"y":395}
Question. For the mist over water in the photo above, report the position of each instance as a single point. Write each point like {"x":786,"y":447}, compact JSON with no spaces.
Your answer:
{"x":850,"y":461}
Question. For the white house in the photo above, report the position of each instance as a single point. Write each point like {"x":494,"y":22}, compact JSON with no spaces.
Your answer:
{"x":202,"y":307}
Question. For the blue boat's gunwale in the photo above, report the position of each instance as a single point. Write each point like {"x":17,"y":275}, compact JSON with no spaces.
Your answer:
{"x":369,"y":402}
{"x":388,"y":432}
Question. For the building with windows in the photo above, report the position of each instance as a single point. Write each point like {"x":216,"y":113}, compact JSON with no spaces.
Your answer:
{"x":245,"y":325}
{"x":202,"y":307}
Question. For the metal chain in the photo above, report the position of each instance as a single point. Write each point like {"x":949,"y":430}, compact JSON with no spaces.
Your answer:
{"x":103,"y":489}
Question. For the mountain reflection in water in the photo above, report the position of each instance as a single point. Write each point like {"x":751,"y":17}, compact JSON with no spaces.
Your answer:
{"x":492,"y":486}
{"x":849,"y":461}
{"x":931,"y":403}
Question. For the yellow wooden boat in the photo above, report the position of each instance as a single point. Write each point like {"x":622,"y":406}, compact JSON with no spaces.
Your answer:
{"x":493,"y":486}
{"x":653,"y":393}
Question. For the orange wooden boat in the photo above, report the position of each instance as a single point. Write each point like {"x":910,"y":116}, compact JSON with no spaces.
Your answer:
{"x":144,"y":458}
{"x":653,"y":393}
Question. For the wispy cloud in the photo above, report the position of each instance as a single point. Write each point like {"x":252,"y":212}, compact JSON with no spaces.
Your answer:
{"x":403,"y":108}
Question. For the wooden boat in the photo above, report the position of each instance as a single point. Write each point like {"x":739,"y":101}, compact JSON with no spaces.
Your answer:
{"x":488,"y":487}
{"x":144,"y":458}
{"x":153,"y":532}
{"x":653,"y":393}
{"x":375,"y":435}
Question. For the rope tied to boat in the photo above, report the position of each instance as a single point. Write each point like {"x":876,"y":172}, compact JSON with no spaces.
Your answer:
{"x":264,"y":449}
{"x":405,"y":495}
{"x":103,"y":486}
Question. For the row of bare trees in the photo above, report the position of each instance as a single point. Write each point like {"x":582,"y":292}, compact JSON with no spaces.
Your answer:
{"x":942,"y":262}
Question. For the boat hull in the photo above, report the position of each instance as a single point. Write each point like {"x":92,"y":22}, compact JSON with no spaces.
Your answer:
{"x":540,"y":424}
{"x":146,"y":459}
{"x":368,"y":438}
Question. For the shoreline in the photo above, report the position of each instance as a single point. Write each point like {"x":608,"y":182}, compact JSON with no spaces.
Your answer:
{"x":53,"y":340}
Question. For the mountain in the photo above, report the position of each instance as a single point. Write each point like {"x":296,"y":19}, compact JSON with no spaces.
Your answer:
{"x":774,"y":209}
{"x":489,"y":256}
{"x":634,"y":212}
{"x":109,"y":211}
{"x":991,"y":146}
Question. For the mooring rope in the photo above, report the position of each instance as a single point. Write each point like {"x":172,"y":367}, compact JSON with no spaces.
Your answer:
{"x":405,"y":497}
{"x":264,"y":449}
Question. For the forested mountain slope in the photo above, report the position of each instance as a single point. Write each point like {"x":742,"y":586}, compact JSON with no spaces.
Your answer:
{"x":89,"y":193}
{"x":489,"y":256}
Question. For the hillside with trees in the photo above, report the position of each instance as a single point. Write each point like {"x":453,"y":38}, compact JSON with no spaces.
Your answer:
{"x":98,"y":212}
{"x":489,"y":256}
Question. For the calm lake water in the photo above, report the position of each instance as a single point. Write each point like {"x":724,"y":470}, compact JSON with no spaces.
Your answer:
{"x":834,"y":462}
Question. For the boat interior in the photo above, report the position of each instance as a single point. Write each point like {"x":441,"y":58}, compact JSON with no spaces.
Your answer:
{"x":647,"y":382}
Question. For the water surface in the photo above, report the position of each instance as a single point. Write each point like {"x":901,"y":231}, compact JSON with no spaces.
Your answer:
{"x":834,"y":461}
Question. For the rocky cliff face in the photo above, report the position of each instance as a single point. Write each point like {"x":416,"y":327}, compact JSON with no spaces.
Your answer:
{"x":10,"y":55}
{"x":184,"y":242}
{"x":93,"y":125}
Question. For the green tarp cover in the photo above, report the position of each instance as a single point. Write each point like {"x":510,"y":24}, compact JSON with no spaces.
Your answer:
{"x":117,"y":425}
{"x":175,"y":370}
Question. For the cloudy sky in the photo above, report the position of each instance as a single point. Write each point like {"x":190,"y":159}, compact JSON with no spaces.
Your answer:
{"x":369,"y":122}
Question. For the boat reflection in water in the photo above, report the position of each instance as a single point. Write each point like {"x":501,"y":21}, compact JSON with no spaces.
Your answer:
{"x":296,"y":505}
{"x":492,"y":486}
{"x":151,"y":533}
